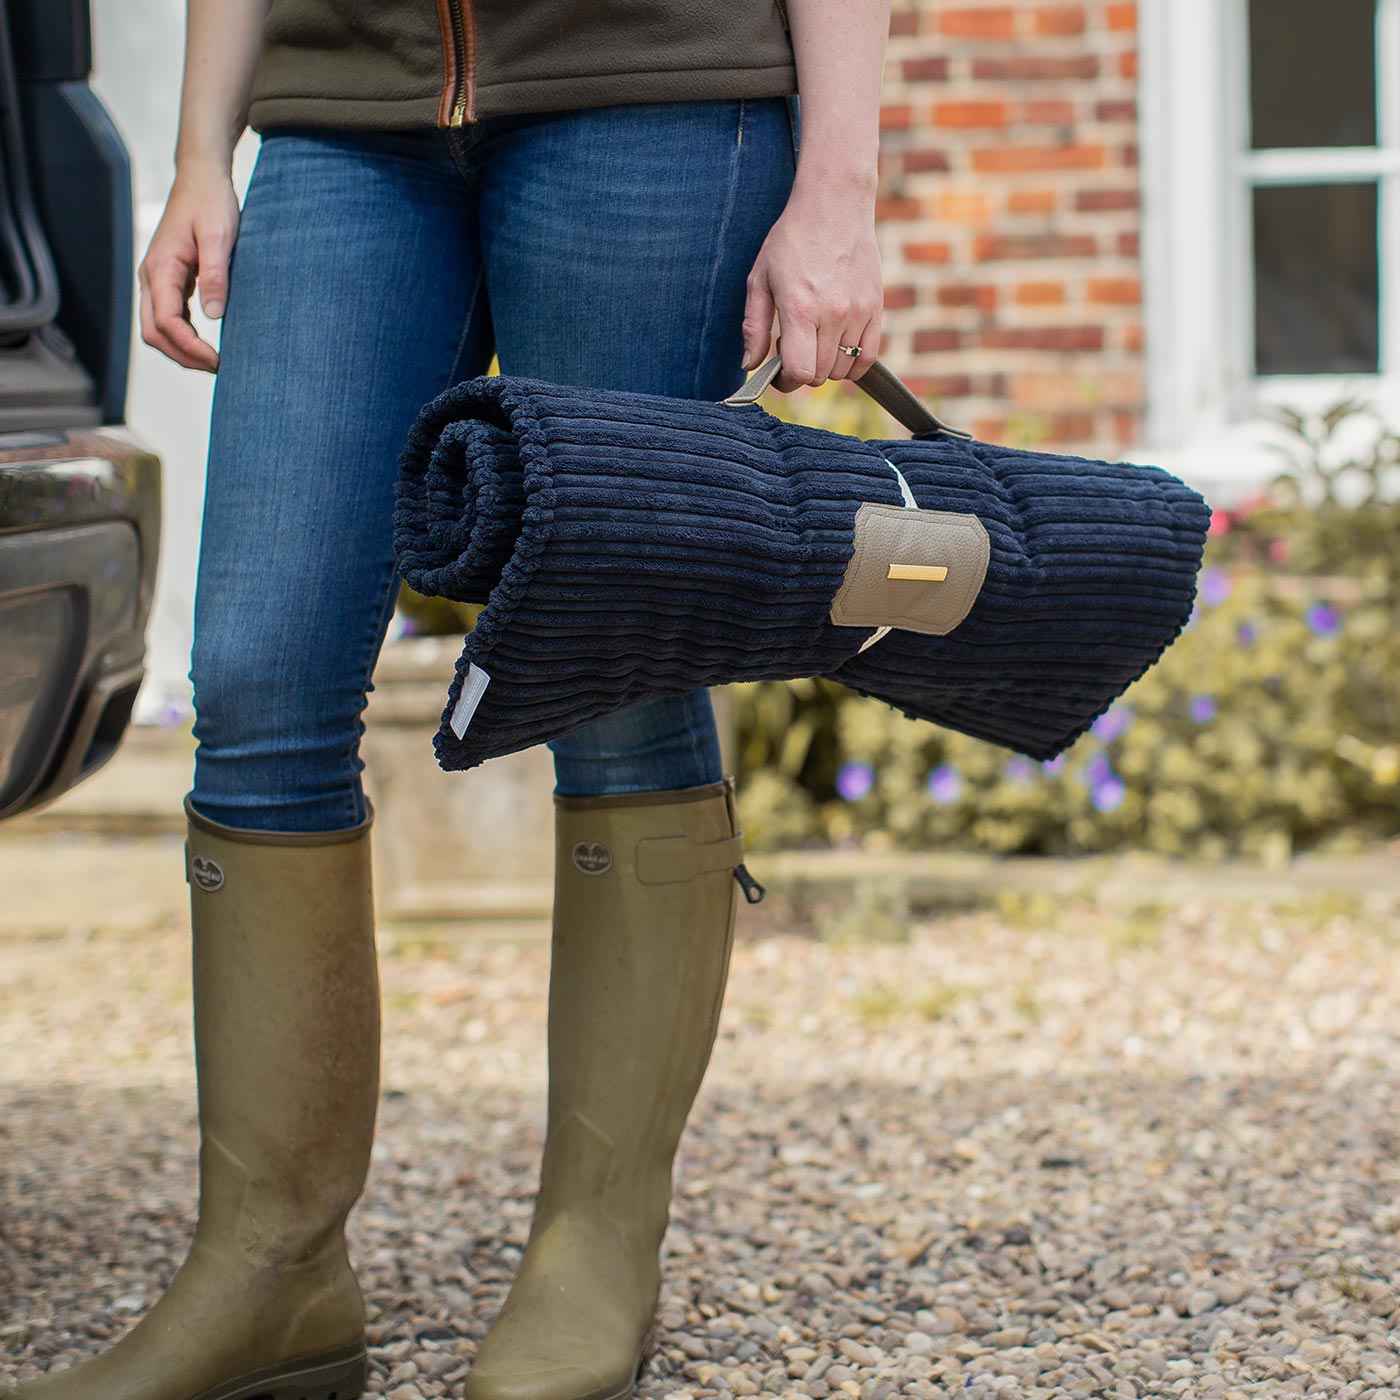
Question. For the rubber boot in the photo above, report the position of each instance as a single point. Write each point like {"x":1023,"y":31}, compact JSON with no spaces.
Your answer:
{"x":286,"y":1023}
{"x":645,"y":895}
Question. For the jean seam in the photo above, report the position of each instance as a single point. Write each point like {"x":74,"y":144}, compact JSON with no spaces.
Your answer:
{"x":453,"y":369}
{"x":721,"y":234}
{"x":368,"y":652}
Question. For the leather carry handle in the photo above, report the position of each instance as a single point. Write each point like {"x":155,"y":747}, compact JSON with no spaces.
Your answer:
{"x":879,"y":381}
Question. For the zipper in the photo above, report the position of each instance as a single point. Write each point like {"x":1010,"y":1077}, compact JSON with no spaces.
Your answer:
{"x":753,"y":891}
{"x":459,"y":58}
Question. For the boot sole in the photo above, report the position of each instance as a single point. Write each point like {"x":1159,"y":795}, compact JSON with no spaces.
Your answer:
{"x":331,"y":1375}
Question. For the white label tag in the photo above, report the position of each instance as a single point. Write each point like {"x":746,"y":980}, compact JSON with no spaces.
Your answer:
{"x":473,"y":688}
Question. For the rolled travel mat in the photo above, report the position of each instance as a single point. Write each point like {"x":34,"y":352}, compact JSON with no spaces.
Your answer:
{"x":632,"y":545}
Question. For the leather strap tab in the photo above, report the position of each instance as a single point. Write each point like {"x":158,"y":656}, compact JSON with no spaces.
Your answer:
{"x":668,"y":860}
{"x":879,"y":381}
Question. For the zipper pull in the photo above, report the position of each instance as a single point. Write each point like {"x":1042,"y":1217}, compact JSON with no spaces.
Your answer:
{"x":753,"y":891}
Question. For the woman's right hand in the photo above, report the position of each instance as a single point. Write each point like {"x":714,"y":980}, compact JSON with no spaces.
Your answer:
{"x":191,"y":244}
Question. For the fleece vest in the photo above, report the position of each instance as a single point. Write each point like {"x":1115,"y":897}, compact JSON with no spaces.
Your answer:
{"x":404,"y":64}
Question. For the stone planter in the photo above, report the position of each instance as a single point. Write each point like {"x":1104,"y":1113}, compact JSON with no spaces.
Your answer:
{"x":475,"y":846}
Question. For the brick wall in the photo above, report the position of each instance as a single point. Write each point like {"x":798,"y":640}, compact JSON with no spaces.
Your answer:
{"x":1009,"y":217}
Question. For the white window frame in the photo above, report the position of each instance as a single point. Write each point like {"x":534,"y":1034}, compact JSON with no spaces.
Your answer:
{"x":1206,"y":408}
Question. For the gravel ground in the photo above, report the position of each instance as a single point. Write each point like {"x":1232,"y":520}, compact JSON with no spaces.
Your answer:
{"x":1042,"y":1149}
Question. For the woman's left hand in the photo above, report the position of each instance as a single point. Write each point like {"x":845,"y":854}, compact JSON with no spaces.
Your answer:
{"x":819,"y":270}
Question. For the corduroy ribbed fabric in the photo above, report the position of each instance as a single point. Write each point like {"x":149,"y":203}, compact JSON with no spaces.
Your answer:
{"x":631,"y":545}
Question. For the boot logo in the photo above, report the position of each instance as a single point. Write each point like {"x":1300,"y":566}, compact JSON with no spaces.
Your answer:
{"x":208,"y":874}
{"x":592,"y":857}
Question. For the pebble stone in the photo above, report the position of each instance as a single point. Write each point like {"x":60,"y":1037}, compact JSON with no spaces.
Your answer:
{"x":1017,"y":1155}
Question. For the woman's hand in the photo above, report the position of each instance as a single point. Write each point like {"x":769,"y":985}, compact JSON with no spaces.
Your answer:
{"x":819,"y":269}
{"x":191,"y":244}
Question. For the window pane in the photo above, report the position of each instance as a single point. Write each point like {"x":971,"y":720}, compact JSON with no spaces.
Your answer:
{"x":1312,"y":73}
{"x":1317,"y":308}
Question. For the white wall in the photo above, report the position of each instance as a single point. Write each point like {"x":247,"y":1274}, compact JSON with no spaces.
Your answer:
{"x":138,"y":55}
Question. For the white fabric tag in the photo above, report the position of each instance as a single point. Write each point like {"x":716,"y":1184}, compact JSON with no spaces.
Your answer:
{"x":473,"y":688}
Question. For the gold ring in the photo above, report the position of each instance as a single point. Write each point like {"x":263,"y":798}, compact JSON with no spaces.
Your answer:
{"x":852,"y":350}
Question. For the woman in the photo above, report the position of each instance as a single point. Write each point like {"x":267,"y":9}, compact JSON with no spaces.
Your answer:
{"x":604,"y":195}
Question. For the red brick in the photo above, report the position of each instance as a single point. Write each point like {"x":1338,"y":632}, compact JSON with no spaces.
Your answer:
{"x":1026,"y":69}
{"x":1128,"y":66}
{"x":933,"y":341}
{"x":927,"y":252}
{"x":988,"y":429}
{"x":978,"y":295}
{"x":1103,"y":201}
{"x":1116,"y":109}
{"x":1016,"y":159}
{"x":1127,"y":428}
{"x":904,"y":23}
{"x":1071,"y":427}
{"x":896,"y":117}
{"x":996,"y":22}
{"x":996,"y":247}
{"x":971,"y":114}
{"x":925,"y":70}
{"x":1059,"y":19}
{"x":1129,"y":245}
{"x":899,"y":298}
{"x":1134,"y":338}
{"x":1129,"y":155}
{"x":963,"y":206}
{"x":1040,"y":294}
{"x":1032,"y":201}
{"x":897,"y":206}
{"x":1121,"y":17}
{"x":926,"y":161}
{"x":1061,"y":338}
{"x":940,"y":386}
{"x":1048,"y":113}
{"x":1115,"y":291}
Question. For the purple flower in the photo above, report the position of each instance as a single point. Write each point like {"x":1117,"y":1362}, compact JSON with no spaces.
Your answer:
{"x":1108,"y":795}
{"x":1246,"y":634}
{"x":1055,"y":765}
{"x":1112,"y":723}
{"x":1018,"y":769}
{"x":1203,"y":708}
{"x":171,"y":714}
{"x":1324,"y":620}
{"x":1215,"y":586}
{"x":855,"y":780}
{"x":945,"y":784}
{"x":1098,"y":770}
{"x":409,"y":628}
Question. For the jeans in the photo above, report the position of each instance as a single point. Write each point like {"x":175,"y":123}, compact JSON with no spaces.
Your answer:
{"x":606,"y":247}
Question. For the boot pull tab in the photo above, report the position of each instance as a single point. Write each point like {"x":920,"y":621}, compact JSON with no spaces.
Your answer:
{"x":753,"y":891}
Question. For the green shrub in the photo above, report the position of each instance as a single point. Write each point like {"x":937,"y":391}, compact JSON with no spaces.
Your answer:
{"x":1271,"y":726}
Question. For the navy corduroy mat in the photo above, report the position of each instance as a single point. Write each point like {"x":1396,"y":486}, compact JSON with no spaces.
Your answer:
{"x":631,"y":545}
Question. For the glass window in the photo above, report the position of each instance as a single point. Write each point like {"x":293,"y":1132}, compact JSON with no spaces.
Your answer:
{"x":1312,"y":73}
{"x":1316,"y":279}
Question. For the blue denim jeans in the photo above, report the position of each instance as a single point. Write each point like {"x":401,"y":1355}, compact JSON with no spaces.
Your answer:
{"x":606,"y":247}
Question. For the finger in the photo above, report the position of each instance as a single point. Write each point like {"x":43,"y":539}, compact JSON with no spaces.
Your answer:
{"x":797,"y":344}
{"x":178,"y":338}
{"x":758,"y":320}
{"x":869,"y":343}
{"x":828,"y":337}
{"x":148,"y":325}
{"x":213,"y":244}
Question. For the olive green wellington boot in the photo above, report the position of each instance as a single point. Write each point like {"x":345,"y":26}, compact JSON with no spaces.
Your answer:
{"x":645,"y":892}
{"x":286,"y":1021}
